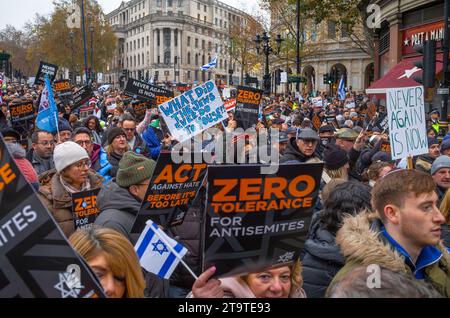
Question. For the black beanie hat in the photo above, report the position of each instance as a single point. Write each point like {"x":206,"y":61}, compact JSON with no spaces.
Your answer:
{"x":113,"y":133}
{"x":334,"y":157}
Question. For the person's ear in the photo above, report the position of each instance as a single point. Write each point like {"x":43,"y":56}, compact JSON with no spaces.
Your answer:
{"x":133,"y":190}
{"x":392,"y":214}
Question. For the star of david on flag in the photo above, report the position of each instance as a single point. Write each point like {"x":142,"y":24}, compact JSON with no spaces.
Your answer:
{"x":157,"y":252}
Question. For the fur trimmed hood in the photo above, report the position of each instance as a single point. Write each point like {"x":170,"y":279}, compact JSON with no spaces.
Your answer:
{"x":360,"y":242}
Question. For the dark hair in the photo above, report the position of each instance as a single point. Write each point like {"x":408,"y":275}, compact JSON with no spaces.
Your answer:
{"x":346,"y":198}
{"x":35,"y":135}
{"x":98,"y":128}
{"x":392,"y":285}
{"x":128,"y":117}
{"x":81,"y":130}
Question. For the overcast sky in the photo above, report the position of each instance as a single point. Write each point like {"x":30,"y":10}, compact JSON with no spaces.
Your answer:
{"x":17,"y":12}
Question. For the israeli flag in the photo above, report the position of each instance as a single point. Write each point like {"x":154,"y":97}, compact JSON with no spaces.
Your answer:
{"x":157,"y":252}
{"x":341,"y":89}
{"x":210,"y":65}
{"x":48,"y":112}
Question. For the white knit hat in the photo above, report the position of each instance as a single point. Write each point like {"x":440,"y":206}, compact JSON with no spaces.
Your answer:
{"x":68,"y":153}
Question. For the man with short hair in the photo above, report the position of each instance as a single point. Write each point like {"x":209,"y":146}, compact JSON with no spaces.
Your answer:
{"x":404,"y":233}
{"x":136,"y":143}
{"x":440,"y":171}
{"x":99,"y":158}
{"x":41,"y":153}
{"x":352,"y":142}
{"x":302,"y":148}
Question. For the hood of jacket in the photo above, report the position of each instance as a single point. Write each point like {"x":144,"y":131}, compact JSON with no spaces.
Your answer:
{"x":16,"y":150}
{"x":360,"y":242}
{"x":293,"y":153}
{"x":321,"y":243}
{"x":113,"y":197}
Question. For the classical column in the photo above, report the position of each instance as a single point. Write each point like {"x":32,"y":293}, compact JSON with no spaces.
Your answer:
{"x":172,"y":46}
{"x":155,"y":46}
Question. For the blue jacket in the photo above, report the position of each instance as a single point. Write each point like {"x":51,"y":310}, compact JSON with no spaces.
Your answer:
{"x":100,"y":162}
{"x":153,"y":142}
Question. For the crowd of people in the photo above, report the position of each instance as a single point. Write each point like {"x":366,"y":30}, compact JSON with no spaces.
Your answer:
{"x":371,"y":210}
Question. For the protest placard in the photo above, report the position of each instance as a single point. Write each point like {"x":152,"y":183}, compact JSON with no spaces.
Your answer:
{"x":45,"y":68}
{"x":81,"y":96}
{"x":172,"y":189}
{"x":254,"y":221}
{"x":247,"y":106}
{"x":196,"y":110}
{"x":36,"y":260}
{"x":230,"y":104}
{"x":316,"y":122}
{"x":317,"y":101}
{"x":407,"y":122}
{"x":147,"y":91}
{"x":62,"y":88}
{"x":23,"y":118}
{"x":84,"y":208}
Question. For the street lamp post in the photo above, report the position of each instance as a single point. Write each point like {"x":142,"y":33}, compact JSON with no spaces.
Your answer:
{"x":83,"y":27}
{"x":91,"y":30}
{"x":267,"y":50}
{"x":72,"y":36}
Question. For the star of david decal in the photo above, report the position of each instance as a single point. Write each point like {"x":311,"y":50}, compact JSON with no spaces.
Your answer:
{"x":287,"y":257}
{"x":64,"y":281}
{"x":160,"y":247}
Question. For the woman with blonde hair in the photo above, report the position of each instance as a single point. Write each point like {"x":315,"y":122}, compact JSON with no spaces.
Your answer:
{"x":113,"y":259}
{"x":336,"y":164}
{"x":282,"y":281}
{"x":445,"y":210}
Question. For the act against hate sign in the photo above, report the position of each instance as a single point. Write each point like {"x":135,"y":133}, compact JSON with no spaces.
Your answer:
{"x":406,"y":117}
{"x":196,"y":110}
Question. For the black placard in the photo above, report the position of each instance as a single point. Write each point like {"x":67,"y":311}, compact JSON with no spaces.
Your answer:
{"x":36,"y":260}
{"x":45,"y":68}
{"x":84,"y":208}
{"x":253,"y":220}
{"x":147,"y":91}
{"x":248,"y":100}
{"x":172,"y":189}
{"x":81,"y":96}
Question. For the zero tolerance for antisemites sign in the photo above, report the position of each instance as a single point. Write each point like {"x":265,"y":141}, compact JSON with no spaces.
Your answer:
{"x":407,"y":123}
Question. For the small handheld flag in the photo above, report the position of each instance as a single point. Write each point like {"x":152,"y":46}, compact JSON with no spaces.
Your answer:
{"x":157,"y":252}
{"x":341,"y":89}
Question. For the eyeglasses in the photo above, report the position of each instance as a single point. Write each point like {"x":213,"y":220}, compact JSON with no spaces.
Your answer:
{"x":46,"y":143}
{"x":85,"y":142}
{"x":129,"y":129}
{"x":83,"y":163}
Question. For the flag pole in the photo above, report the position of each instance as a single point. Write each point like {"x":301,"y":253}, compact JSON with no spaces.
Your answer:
{"x":175,"y":253}
{"x":57,"y":128}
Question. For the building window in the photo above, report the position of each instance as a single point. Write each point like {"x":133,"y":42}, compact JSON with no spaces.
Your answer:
{"x":203,"y":44}
{"x":196,"y":75}
{"x":159,"y":3}
{"x":196,"y":59}
{"x":204,"y":18}
{"x":158,"y":39}
{"x":143,"y":5}
{"x":203,"y":59}
{"x":188,"y":75}
{"x":196,"y":43}
{"x":180,"y":3}
{"x":176,"y":37}
{"x":225,"y":65}
{"x":139,"y":43}
{"x":134,"y":45}
{"x":217,"y":48}
{"x":189,"y":58}
{"x":188,"y":41}
{"x":139,"y":59}
{"x":148,"y":40}
{"x":198,"y":17}
{"x":204,"y":8}
{"x":169,"y":3}
{"x":225,"y":24}
{"x":198,"y":5}
{"x":345,"y":30}
{"x":167,"y":57}
{"x":143,"y":63}
{"x":215,"y":21}
{"x":331,"y":29}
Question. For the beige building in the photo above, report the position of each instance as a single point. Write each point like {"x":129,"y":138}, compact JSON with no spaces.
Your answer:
{"x":171,"y":39}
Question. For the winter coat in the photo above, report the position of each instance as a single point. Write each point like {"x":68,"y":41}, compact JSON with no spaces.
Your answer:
{"x":118,"y":209}
{"x":424,"y":163}
{"x":59,"y":201}
{"x":140,"y":146}
{"x":153,"y":142}
{"x":322,"y":259}
{"x":40,"y":165}
{"x":188,"y":234}
{"x":293,"y":155}
{"x":363,"y":244}
{"x":100,"y":163}
{"x":114,"y":160}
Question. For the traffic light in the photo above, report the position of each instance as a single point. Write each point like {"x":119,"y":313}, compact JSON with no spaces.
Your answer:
{"x":325,"y":78}
{"x":427,"y":64}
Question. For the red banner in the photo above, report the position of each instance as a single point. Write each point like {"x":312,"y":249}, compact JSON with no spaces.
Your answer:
{"x":417,"y":35}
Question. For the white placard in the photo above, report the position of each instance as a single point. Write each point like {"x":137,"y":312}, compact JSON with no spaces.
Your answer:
{"x":407,"y":123}
{"x":226,"y":93}
{"x":317,"y":101}
{"x":196,"y":110}
{"x":284,"y":78}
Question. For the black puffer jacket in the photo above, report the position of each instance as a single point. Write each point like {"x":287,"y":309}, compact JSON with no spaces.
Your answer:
{"x":188,"y":234}
{"x":322,"y":259}
{"x":292,"y":153}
